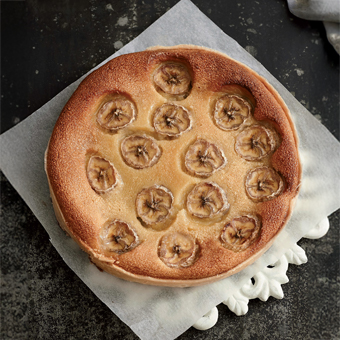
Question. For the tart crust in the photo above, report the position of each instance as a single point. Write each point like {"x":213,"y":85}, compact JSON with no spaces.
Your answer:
{"x":82,"y":212}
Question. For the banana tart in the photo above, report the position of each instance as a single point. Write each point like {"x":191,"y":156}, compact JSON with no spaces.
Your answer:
{"x":173,"y":166}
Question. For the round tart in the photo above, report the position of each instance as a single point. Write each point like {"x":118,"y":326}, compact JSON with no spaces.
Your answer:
{"x":173,"y":166}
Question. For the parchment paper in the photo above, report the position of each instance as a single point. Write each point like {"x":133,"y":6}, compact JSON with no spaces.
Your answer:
{"x":165,"y":313}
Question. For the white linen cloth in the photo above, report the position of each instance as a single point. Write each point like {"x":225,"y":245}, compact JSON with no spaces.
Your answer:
{"x":327,"y":11}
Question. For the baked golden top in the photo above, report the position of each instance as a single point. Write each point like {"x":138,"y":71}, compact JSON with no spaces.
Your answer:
{"x":173,"y":166}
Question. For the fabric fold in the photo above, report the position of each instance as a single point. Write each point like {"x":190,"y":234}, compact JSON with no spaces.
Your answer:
{"x":327,"y":11}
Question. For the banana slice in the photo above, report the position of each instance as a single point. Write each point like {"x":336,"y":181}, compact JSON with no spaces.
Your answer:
{"x":204,"y":158}
{"x":154,"y":204}
{"x":140,"y":151}
{"x":116,"y":114}
{"x":255,"y":143}
{"x":240,"y":233}
{"x":101,"y":174}
{"x":119,"y":237}
{"x":178,"y":250}
{"x":207,"y":199}
{"x":173,"y":78}
{"x":231,"y":112}
{"x":171,"y":120}
{"x":263,"y":184}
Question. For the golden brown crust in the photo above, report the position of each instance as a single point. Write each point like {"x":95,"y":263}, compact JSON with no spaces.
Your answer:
{"x":77,"y":136}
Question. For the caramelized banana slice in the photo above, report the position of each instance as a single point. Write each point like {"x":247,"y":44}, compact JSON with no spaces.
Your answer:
{"x":118,"y":237}
{"x":154,"y":204}
{"x":101,"y":174}
{"x":116,"y":114}
{"x":240,"y":233}
{"x":255,"y":143}
{"x":263,"y":184}
{"x":173,"y":78}
{"x":231,"y":111}
{"x":178,"y":250}
{"x":171,"y":120}
{"x":140,"y":152}
{"x":204,"y":158}
{"x":207,"y":199}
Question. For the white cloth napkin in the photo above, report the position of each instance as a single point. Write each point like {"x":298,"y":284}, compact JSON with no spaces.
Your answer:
{"x":327,"y":11}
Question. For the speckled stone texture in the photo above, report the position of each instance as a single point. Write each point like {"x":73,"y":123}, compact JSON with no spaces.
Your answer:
{"x":45,"y":46}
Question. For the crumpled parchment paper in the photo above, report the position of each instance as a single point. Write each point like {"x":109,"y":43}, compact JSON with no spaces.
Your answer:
{"x":157,"y":312}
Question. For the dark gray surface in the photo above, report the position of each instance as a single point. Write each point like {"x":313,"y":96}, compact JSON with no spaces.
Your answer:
{"x":45,"y":46}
